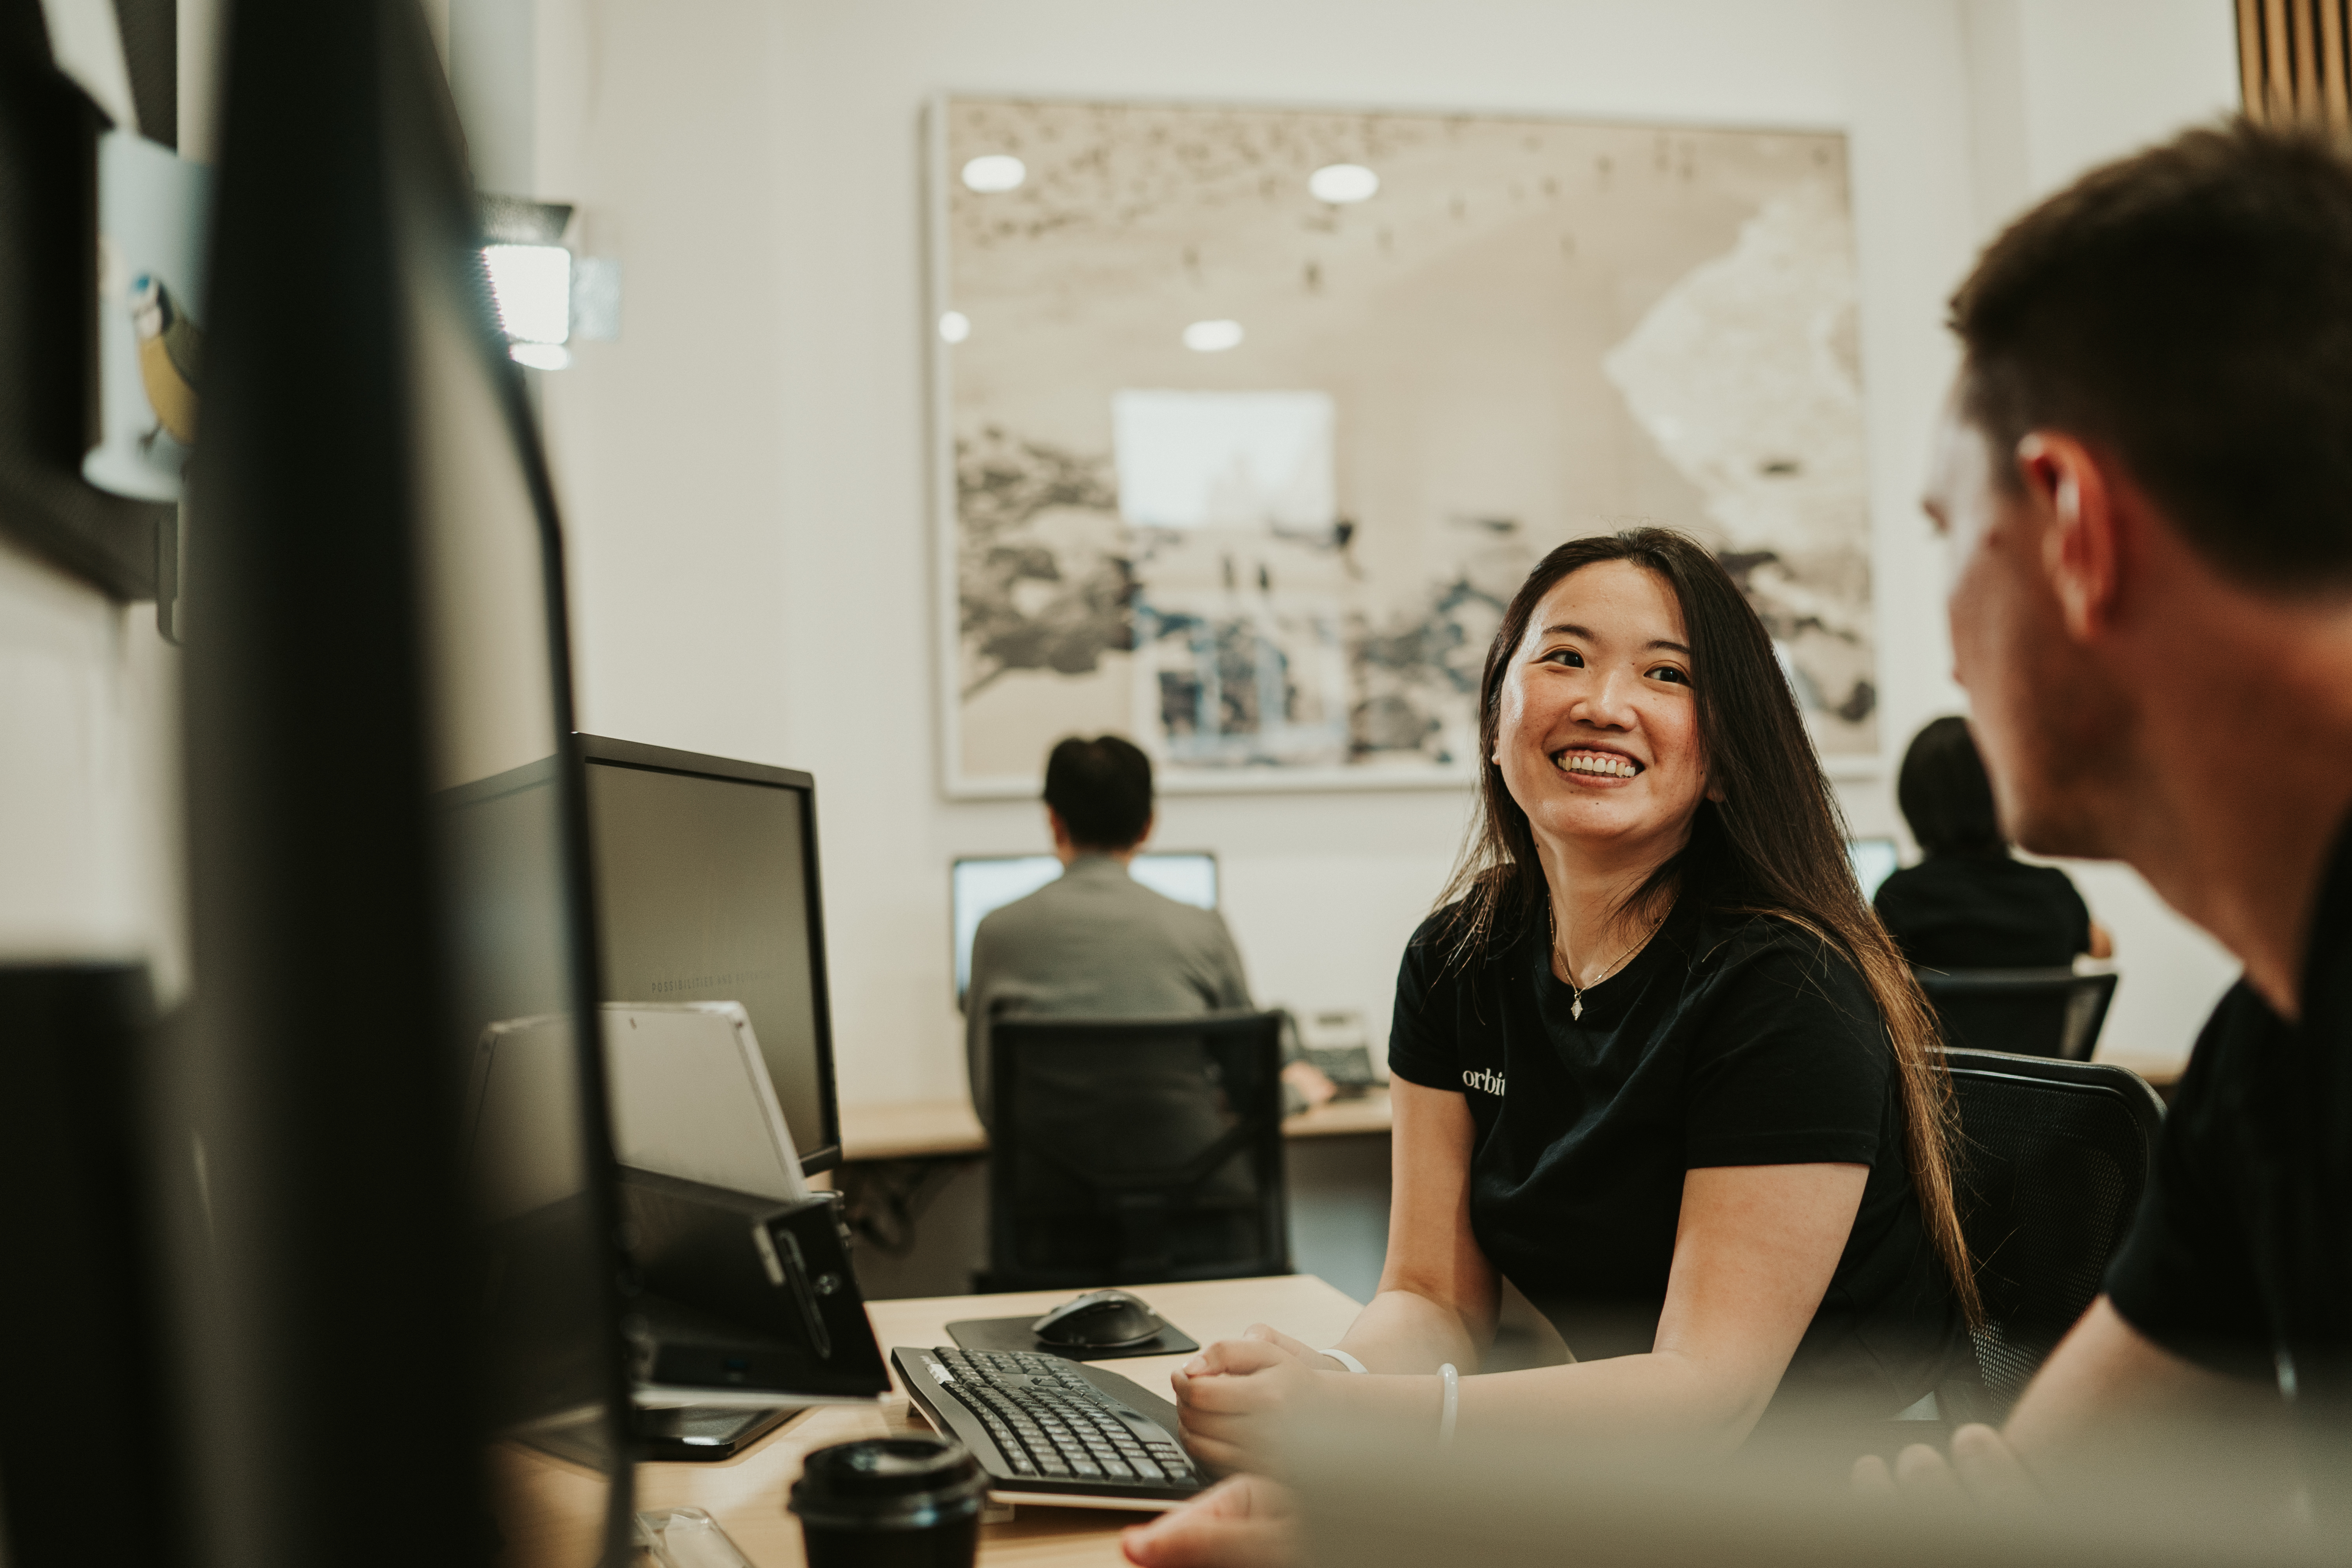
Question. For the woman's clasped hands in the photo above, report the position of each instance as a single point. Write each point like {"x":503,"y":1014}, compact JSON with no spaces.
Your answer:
{"x":1234,"y":1397}
{"x":1233,"y":1401}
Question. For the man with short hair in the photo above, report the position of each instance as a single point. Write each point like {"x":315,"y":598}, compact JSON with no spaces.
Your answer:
{"x":2146,"y":475}
{"x":1095,"y":943}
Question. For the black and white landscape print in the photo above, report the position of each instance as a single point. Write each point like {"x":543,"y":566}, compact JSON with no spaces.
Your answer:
{"x":1247,"y":471}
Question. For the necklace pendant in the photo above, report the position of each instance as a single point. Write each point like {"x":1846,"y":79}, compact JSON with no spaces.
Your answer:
{"x":1576,"y":1008}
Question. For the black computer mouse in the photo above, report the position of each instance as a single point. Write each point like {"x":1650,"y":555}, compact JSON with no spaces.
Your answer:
{"x":1099,"y":1321}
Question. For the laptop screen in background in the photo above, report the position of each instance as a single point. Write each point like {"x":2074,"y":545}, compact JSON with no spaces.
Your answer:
{"x":1875,"y":860}
{"x":982,"y":884}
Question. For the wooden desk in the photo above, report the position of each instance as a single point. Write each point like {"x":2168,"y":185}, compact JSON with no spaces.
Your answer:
{"x":746,"y":1494}
{"x":937,"y":1128}
{"x":1339,"y":1118}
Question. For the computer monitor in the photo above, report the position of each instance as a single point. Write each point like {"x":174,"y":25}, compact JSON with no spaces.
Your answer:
{"x":377,"y":640}
{"x":707,"y":890}
{"x":1875,"y":860}
{"x":980,"y":883}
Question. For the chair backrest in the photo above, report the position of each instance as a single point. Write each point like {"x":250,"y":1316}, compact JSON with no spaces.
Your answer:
{"x":2052,"y":1160}
{"x":2022,"y":1012}
{"x":1126,"y":1150}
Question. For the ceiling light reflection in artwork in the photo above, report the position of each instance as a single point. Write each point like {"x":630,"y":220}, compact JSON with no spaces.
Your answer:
{"x":995,"y":171}
{"x":955,"y":326}
{"x":1341,"y":184}
{"x":1213,"y":337}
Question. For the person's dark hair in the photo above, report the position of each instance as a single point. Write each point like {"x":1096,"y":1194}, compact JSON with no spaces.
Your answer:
{"x":2189,"y":308}
{"x":1775,"y":845}
{"x":1944,"y":793}
{"x":1101,"y":789}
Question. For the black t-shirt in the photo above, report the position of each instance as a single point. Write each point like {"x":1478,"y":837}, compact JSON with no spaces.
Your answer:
{"x":1728,"y":1041}
{"x":1984,"y":912}
{"x":2241,"y":1258}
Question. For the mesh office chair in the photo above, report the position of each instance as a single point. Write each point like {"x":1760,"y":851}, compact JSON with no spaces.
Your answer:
{"x":1129,"y":1150}
{"x":2023,"y":1012}
{"x":2052,"y":1160}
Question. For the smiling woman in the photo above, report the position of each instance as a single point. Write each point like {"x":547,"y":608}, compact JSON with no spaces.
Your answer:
{"x":1656,"y":1064}
{"x":1649,"y":776}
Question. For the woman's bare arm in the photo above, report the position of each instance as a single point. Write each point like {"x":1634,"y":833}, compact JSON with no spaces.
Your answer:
{"x":1754,"y":1253}
{"x":1438,"y":1294}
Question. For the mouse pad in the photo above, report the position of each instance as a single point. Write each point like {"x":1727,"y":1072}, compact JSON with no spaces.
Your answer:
{"x":1013,"y":1334}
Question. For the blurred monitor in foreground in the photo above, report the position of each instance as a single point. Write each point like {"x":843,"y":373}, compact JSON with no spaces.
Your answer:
{"x":512,"y":873}
{"x":981,"y":884}
{"x":387,"y":859}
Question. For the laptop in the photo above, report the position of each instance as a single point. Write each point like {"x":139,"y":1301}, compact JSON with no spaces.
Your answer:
{"x":692,"y":1104}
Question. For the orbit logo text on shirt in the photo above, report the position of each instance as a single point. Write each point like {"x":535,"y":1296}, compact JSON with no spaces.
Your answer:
{"x":1485,"y":1080}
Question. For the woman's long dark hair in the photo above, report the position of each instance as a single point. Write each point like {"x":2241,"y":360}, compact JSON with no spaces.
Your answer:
{"x":1774,"y":845}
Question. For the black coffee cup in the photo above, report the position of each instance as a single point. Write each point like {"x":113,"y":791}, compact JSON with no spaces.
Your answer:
{"x":890,"y":1502}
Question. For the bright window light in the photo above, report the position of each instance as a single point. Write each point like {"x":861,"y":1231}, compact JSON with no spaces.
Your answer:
{"x":532,"y":286}
{"x":539,"y":356}
{"x":1212,"y":336}
{"x":1342,"y":184}
{"x":994,"y":173}
{"x":955,"y":326}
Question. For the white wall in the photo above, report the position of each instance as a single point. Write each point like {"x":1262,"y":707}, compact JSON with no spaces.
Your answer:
{"x":89,"y":838}
{"x":2057,"y":88}
{"x":91,"y":859}
{"x":2088,"y":80}
{"x":744,"y":471}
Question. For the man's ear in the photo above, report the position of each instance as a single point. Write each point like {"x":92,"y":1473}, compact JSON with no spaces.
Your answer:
{"x":2074,"y":499}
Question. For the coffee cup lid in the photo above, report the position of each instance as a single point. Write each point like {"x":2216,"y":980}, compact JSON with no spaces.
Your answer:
{"x":882,"y":1483}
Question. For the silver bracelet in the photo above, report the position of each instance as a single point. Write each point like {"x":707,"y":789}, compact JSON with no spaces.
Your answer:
{"x":1344,"y":1359}
{"x":1453,"y":1381}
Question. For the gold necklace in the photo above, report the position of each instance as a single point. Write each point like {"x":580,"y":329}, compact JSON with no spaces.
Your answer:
{"x":1576,"y":1002}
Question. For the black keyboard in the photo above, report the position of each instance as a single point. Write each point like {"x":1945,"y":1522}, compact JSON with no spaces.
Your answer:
{"x":1041,"y":1425}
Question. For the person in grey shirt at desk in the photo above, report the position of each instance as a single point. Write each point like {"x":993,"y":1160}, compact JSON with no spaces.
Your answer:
{"x":1094,"y":942}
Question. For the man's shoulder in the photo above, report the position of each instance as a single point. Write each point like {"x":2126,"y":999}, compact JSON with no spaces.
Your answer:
{"x":1125,"y":897}
{"x":1029,"y":908}
{"x":1042,"y":918}
{"x":2234,"y":1050}
{"x":1118,"y":902}
{"x":1201,"y":930}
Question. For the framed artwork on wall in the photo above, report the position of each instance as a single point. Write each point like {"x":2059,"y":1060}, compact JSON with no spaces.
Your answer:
{"x":1249,"y":421}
